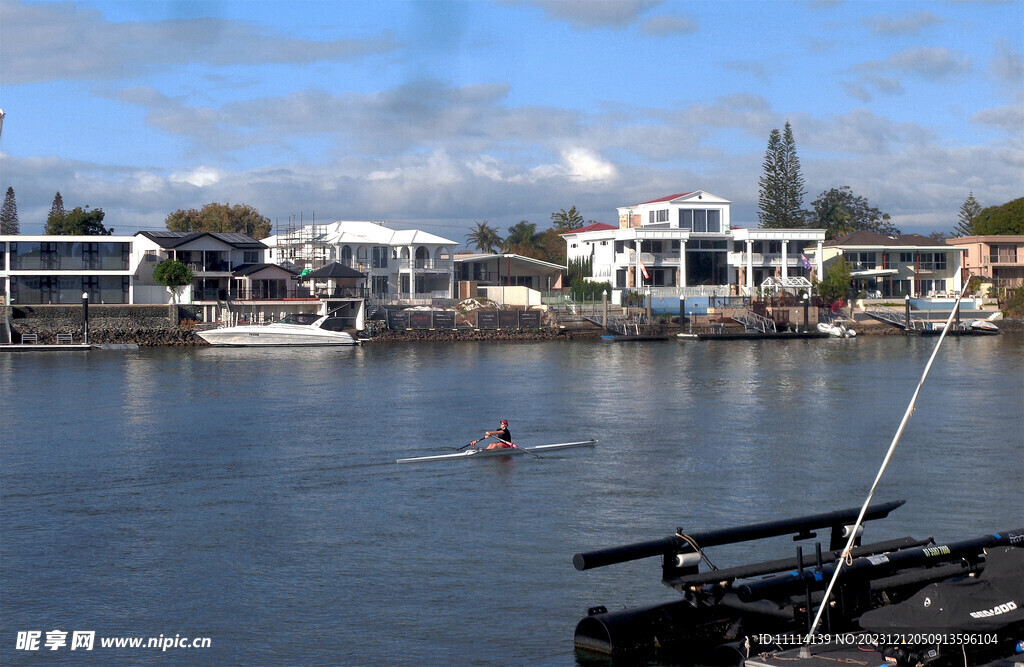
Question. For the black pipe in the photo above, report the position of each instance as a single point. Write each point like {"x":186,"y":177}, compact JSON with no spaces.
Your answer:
{"x":785,"y":564}
{"x":801,"y":526}
{"x":875,"y":567}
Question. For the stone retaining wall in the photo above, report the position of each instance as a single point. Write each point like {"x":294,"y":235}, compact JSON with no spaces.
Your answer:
{"x":149,"y":326}
{"x":108,"y":323}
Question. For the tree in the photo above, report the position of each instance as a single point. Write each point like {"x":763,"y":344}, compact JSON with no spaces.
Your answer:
{"x":222,"y":218}
{"x":840,"y":212}
{"x":836,"y":283}
{"x":174,"y":275}
{"x":782,"y":192}
{"x":551,"y":247}
{"x":485,"y":238}
{"x":77,"y":221}
{"x":566,"y":221}
{"x":9,"y":214}
{"x":1005,"y":219}
{"x":56,"y":208}
{"x":968,"y":214}
{"x":522,"y":239}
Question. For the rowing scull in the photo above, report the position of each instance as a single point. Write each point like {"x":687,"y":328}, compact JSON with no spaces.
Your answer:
{"x":505,"y":451}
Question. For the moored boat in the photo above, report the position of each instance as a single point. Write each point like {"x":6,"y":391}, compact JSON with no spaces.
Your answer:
{"x":300,"y":329}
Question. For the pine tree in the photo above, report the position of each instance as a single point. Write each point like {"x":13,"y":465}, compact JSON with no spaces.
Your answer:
{"x":968,"y":214}
{"x":55,"y":219}
{"x":782,"y":186}
{"x":9,"y":214}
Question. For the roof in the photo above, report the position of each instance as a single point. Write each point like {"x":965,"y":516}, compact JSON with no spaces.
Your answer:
{"x":334,"y":270}
{"x":363,"y":232}
{"x":661,"y":199}
{"x":483,"y":257}
{"x":866,"y":238}
{"x":176,"y":239}
{"x":250,"y":269}
{"x":594,"y":227}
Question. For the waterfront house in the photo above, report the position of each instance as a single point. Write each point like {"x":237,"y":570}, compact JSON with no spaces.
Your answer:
{"x":490,"y":274}
{"x":401,"y":265}
{"x":46,"y":269}
{"x":686,"y":244}
{"x":998,"y":259}
{"x":894,"y":266}
{"x":213,"y":258}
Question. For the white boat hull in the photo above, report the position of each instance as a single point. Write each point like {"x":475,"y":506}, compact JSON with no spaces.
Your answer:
{"x":836,"y":330}
{"x":505,"y":451}
{"x":275,"y":335}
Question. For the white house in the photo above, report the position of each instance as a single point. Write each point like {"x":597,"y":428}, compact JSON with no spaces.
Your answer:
{"x":398,"y":263}
{"x":686,"y":244}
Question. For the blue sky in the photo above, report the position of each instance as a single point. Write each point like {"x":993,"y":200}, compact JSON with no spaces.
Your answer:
{"x":438,"y":114}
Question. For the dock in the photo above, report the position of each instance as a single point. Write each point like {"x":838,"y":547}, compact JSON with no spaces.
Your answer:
{"x":67,"y":347}
{"x":752,"y":335}
{"x":618,"y":338}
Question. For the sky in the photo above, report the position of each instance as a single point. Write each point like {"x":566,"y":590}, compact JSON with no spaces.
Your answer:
{"x":438,"y":114}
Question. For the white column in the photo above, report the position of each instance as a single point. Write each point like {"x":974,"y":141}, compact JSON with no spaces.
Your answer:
{"x":682,"y":262}
{"x":637,"y":276}
{"x":785,"y":259}
{"x":819,"y":261}
{"x":750,"y":266}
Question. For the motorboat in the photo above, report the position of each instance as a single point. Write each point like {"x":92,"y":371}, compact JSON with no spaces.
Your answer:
{"x":836,"y":329}
{"x":298,"y":329}
{"x":983,"y":325}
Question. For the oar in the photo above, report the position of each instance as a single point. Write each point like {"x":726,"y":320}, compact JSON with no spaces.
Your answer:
{"x":469,"y":444}
{"x":522,"y":449}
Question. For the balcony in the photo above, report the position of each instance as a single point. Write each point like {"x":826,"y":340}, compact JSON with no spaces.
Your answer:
{"x":426,"y":265}
{"x":213,"y":266}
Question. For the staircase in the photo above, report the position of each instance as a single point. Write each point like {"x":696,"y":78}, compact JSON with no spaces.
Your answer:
{"x":752,"y":322}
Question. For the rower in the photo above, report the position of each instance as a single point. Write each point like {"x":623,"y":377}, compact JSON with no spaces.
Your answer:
{"x":502,"y":434}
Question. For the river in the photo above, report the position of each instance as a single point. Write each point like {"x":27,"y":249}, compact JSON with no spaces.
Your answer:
{"x":252,"y":496}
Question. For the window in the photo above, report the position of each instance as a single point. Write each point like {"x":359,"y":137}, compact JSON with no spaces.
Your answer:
{"x":1003,"y":254}
{"x":906,"y":258}
{"x":701,"y":220}
{"x":933,"y":261}
{"x":658,"y":216}
{"x":380,"y":257}
{"x":251,"y":256}
{"x":861,"y":261}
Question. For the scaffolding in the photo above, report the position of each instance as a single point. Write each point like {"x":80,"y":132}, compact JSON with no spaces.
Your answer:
{"x":302,"y":246}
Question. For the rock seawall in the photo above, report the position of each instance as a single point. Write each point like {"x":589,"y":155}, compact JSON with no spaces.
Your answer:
{"x":163,"y":326}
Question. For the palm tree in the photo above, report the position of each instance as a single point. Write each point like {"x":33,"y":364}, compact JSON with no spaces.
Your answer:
{"x":485,"y":237}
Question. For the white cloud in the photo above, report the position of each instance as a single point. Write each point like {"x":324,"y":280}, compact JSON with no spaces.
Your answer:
{"x":201,"y":177}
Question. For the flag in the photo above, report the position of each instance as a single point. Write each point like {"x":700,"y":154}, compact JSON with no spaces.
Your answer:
{"x":643,"y":269}
{"x":806,"y":262}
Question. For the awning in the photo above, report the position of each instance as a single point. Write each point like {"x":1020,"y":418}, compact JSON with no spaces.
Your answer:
{"x":867,"y":273}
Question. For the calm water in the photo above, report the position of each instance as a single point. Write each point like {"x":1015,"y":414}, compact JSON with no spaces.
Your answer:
{"x":251,"y":496}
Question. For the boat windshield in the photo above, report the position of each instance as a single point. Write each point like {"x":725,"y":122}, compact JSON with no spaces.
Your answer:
{"x":300,"y":318}
{"x":334,"y":324}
